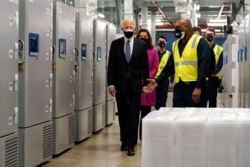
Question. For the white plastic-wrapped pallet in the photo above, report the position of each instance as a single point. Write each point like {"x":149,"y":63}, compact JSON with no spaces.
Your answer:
{"x":221,"y":137}
{"x":243,"y":146}
{"x":158,"y":138}
{"x":190,"y":135}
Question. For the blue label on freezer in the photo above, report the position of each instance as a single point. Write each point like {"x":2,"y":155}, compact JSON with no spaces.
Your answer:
{"x":99,"y":53}
{"x":62,"y":48}
{"x":84,"y":51}
{"x":33,"y":44}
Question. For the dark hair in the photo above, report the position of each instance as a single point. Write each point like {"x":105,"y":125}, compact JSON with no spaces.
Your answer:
{"x":211,"y":29}
{"x":150,"y":44}
{"x":197,"y":29}
{"x":163,"y":38}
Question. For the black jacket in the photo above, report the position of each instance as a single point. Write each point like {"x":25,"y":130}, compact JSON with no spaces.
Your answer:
{"x":119,"y":70}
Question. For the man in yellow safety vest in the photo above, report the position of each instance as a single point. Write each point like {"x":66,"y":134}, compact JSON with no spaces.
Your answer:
{"x":214,"y":81}
{"x":189,"y":61}
{"x":167,"y":84}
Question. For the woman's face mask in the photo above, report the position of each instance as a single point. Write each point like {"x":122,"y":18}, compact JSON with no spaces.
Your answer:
{"x":145,"y":40}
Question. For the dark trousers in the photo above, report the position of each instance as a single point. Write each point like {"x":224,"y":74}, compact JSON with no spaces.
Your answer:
{"x":128,"y":115}
{"x":213,"y":83}
{"x":161,"y":95}
{"x":144,"y":111}
{"x":182,"y":96}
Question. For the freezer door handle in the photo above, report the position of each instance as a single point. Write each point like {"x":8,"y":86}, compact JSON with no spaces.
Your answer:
{"x":21,"y":51}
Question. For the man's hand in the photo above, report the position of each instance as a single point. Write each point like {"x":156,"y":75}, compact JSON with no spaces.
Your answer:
{"x":112,"y":90}
{"x":170,"y":86}
{"x":150,"y":87}
{"x":196,"y":95}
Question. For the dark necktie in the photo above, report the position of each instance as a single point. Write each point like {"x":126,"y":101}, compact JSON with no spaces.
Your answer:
{"x":127,"y":51}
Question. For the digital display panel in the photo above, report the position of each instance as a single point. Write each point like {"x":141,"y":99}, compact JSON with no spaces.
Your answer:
{"x":84,"y":51}
{"x":33,"y":44}
{"x":62,"y":48}
{"x":99,"y":53}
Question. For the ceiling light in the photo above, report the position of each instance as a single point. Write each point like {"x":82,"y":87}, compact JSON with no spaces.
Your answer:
{"x":196,"y":7}
{"x":159,"y":24}
{"x":216,"y":24}
{"x":217,"y":21}
{"x":214,"y":6}
{"x":101,"y":15}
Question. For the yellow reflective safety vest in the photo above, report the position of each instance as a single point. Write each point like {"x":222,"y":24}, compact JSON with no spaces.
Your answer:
{"x":217,"y":51}
{"x":186,"y":66}
{"x":163,"y":63}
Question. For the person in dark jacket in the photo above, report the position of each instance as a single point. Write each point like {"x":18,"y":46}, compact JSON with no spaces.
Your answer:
{"x":162,"y":90}
{"x":127,"y":74}
{"x":214,"y":80}
{"x":211,"y":69}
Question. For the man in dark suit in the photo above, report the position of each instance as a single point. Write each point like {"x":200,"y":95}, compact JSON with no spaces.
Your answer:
{"x":127,"y":74}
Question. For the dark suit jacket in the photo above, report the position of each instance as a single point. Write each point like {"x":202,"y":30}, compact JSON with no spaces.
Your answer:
{"x":136,"y":69}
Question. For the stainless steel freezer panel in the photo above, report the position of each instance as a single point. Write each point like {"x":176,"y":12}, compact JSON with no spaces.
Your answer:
{"x":84,"y":127}
{"x":242,"y":71}
{"x":63,"y":133}
{"x":99,"y":62}
{"x":35,"y":72}
{"x":111,"y":35}
{"x":84,"y":65}
{"x":247,"y":62}
{"x":8,"y":67}
{"x":247,"y":78}
{"x":63,"y":59}
{"x":9,"y":150}
{"x":99,"y":117}
{"x":35,"y":144}
{"x":110,"y":112}
{"x":110,"y":103}
{"x":230,"y":71}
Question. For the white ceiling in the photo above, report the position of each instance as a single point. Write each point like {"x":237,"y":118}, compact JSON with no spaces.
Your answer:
{"x":168,"y":8}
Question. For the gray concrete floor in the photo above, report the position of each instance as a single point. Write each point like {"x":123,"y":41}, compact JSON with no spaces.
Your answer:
{"x":102,"y":149}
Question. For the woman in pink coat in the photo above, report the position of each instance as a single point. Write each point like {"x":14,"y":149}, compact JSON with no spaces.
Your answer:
{"x":149,"y":100}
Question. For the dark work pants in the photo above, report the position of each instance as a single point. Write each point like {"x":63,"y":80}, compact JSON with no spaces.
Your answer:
{"x":128,"y":115}
{"x":182,"y":96}
{"x":162,"y":95}
{"x":144,"y":111}
{"x":213,"y":83}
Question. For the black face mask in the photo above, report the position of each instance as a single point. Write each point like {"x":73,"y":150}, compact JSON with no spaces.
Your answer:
{"x":162,"y":44}
{"x":177,"y":33}
{"x":209,"y":38}
{"x":128,"y":34}
{"x":145,"y":40}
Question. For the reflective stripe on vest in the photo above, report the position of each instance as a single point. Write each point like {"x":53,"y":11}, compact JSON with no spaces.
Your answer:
{"x":163,"y":62}
{"x":186,"y":66}
{"x":217,"y":51}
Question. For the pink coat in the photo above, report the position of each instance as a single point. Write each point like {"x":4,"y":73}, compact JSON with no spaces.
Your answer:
{"x":153,"y":61}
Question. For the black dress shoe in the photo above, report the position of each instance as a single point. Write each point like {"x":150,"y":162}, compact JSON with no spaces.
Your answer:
{"x":124,"y":147}
{"x":131,"y":151}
